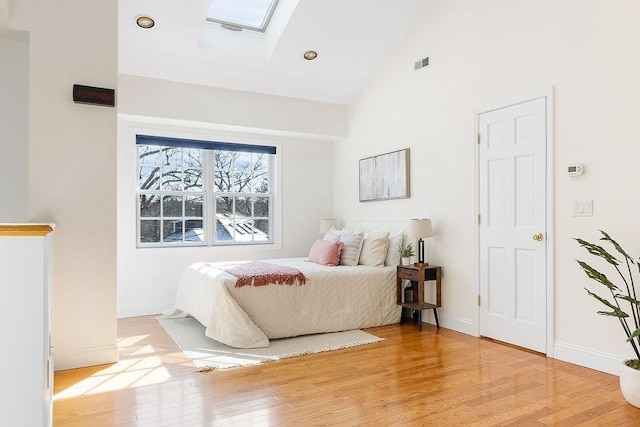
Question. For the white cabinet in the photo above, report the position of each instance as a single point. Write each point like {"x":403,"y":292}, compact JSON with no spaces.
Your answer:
{"x":26,"y":372}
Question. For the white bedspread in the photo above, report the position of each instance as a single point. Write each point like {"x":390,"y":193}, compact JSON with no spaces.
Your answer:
{"x":333,"y":299}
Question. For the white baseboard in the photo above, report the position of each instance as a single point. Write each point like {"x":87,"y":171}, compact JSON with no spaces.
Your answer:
{"x":588,"y":358}
{"x":457,"y":324}
{"x":582,"y":356}
{"x":85,"y":357}
{"x":145,"y":309}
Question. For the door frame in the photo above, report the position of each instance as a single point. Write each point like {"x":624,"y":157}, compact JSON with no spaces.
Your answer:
{"x":547,"y":94}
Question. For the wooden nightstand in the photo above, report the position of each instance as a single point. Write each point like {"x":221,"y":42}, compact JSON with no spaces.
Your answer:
{"x":417,"y":275}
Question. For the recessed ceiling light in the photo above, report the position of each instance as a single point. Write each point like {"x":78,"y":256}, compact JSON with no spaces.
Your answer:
{"x":310,"y":55}
{"x":145,"y":22}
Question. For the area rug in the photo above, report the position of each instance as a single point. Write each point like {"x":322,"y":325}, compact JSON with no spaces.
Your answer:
{"x":208,"y":354}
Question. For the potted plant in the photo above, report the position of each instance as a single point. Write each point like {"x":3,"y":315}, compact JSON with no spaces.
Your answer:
{"x":406,"y":252}
{"x":622,"y":304}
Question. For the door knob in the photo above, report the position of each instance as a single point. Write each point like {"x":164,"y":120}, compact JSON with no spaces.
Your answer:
{"x":537,"y":237}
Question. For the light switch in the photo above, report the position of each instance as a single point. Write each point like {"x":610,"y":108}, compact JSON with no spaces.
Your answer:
{"x":582,"y":208}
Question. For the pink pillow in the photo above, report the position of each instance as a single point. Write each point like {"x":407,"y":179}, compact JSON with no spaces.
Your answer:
{"x":325,"y":252}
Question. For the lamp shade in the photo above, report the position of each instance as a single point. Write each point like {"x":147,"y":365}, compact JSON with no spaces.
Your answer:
{"x":326,"y":224}
{"x":420,"y":228}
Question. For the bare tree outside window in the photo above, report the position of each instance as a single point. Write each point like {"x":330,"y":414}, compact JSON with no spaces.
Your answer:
{"x":238,"y":176}
{"x":169,"y":180}
{"x":172,"y":196}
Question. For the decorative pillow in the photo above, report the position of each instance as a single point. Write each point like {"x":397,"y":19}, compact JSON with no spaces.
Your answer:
{"x":325,"y":252}
{"x":393,"y":254}
{"x":352,"y":247}
{"x":333,"y":234}
{"x":374,"y":248}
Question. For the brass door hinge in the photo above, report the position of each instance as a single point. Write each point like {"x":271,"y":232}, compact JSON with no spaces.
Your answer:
{"x":478,"y":138}
{"x":478,"y":300}
{"x":478,"y":218}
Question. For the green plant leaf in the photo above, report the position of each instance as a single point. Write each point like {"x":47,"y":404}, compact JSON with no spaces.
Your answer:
{"x":594,"y":274}
{"x":618,"y":293}
{"x":407,"y":250}
{"x":634,"y":334}
{"x":599,"y":251}
{"x":616,"y":311}
{"x":627,"y":298}
{"x":615,"y":244}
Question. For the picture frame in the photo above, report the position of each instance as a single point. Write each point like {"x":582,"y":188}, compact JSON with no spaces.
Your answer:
{"x":385,"y":176}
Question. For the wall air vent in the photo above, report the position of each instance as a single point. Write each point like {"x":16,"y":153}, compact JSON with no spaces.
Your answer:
{"x":421,"y":63}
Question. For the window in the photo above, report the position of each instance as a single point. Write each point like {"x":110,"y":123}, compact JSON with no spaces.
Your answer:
{"x":203,"y":193}
{"x":242,"y":14}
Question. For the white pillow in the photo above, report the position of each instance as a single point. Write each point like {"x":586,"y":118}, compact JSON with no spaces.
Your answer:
{"x":393,"y":253}
{"x":374,"y":248}
{"x":352,"y":246}
{"x":333,"y":234}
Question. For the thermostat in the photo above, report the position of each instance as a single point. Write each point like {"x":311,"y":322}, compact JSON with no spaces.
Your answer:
{"x":575,"y":170}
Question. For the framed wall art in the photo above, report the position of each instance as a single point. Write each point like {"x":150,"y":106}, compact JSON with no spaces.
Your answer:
{"x":385,"y":176}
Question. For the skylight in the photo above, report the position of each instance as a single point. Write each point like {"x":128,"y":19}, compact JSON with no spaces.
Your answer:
{"x":242,"y":14}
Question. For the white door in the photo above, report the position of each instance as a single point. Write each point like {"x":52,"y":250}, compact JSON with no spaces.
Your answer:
{"x":512,"y":224}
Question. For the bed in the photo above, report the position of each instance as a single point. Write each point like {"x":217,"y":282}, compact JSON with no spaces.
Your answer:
{"x":334,"y":298}
{"x":349,"y":283}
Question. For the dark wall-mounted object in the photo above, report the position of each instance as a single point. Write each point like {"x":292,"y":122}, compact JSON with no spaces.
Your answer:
{"x":94,"y":95}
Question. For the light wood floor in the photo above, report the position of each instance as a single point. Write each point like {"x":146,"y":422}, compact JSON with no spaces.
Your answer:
{"x":412,"y":378}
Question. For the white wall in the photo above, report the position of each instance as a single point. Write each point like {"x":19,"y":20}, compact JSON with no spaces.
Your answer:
{"x":14,"y":126}
{"x":303,"y":133}
{"x":483,"y":52}
{"x":72,"y":168}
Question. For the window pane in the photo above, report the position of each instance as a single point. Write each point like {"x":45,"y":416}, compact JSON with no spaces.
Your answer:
{"x":242,"y":161}
{"x":192,"y":157}
{"x":149,"y":231}
{"x":172,"y":231}
{"x":243,"y":207}
{"x":171,"y":206}
{"x":193,"y":179}
{"x":193,"y":206}
{"x":149,"y":155}
{"x":244,"y":229}
{"x":171,"y":179}
{"x":223,"y":160}
{"x":242,"y":13}
{"x":262,"y":228}
{"x":224,"y":229}
{"x":149,"y":205}
{"x":193,"y":231}
{"x":224,"y":206}
{"x":260,"y":183}
{"x":260,"y":162}
{"x":222,"y":181}
{"x":172,"y":156}
{"x":149,"y":178}
{"x":241,"y":182}
{"x":261,"y":207}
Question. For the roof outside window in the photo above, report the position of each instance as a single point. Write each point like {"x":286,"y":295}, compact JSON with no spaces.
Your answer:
{"x":242,"y":14}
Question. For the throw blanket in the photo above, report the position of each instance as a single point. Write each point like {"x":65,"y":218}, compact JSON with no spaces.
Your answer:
{"x":258,"y":273}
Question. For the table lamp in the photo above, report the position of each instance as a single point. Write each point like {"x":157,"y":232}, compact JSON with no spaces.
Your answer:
{"x":421,"y":228}
{"x":326,"y":224}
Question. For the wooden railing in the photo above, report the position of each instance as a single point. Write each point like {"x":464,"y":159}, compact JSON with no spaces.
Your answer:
{"x":26,"y":229}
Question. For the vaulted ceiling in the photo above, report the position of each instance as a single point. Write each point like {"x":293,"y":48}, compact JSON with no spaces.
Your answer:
{"x":352,"y":38}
